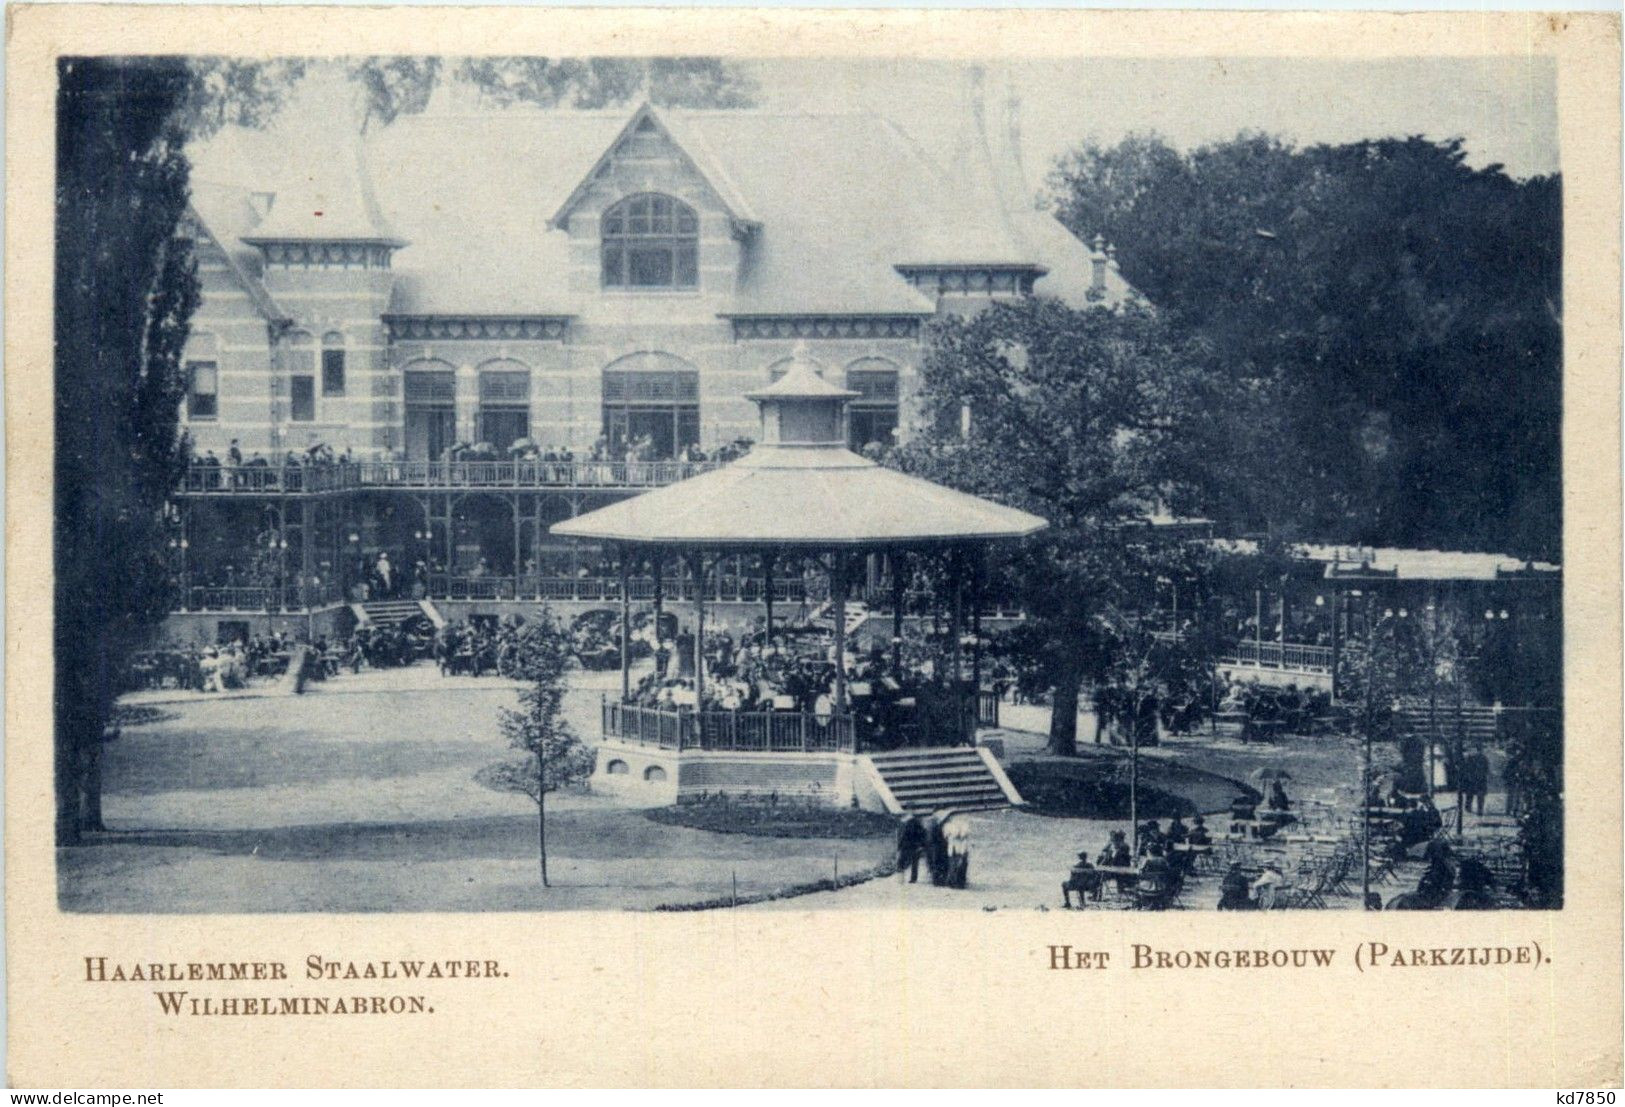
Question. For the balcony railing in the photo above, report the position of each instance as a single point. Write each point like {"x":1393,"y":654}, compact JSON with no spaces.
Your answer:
{"x":261,"y":599}
{"x":742,"y":731}
{"x":606,"y":589}
{"x":1290,"y":656}
{"x":432,"y":475}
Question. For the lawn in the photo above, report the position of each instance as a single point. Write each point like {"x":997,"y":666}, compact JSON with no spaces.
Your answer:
{"x":360,"y":796}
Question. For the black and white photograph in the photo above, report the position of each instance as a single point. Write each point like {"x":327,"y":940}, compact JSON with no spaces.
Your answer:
{"x":692,"y":483}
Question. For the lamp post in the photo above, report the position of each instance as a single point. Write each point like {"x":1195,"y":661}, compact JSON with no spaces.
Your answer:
{"x":1369,"y":726}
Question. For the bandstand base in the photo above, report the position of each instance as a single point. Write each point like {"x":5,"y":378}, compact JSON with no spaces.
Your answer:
{"x":954,"y":776}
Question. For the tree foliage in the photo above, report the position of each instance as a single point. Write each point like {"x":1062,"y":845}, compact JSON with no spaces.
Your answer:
{"x":1087,"y":418}
{"x":554,"y":756}
{"x":1395,"y":313}
{"x":125,"y":288}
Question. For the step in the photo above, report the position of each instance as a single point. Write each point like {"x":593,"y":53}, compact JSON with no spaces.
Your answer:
{"x":949,"y":789}
{"x":944,"y":776}
{"x":893,"y":756}
{"x":990,"y":805}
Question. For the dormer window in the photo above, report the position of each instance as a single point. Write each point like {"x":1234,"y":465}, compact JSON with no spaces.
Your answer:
{"x":651,"y":241}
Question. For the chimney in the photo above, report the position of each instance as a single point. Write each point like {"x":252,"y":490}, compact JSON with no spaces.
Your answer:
{"x":1098,"y":260}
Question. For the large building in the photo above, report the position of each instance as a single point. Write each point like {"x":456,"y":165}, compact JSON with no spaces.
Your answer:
{"x":590,"y":282}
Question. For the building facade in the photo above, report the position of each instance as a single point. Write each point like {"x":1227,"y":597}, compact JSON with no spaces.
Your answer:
{"x":465,"y":328}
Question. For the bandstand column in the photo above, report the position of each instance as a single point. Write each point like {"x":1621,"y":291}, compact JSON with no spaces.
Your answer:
{"x":767,"y":596}
{"x":899,"y":593}
{"x":658,"y":567}
{"x":956,"y":619}
{"x":976,"y":633}
{"x":626,"y":626}
{"x":696,"y":565}
{"x":837,"y":587}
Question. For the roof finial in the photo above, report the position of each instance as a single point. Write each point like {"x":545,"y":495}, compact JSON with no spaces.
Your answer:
{"x":799,"y":352}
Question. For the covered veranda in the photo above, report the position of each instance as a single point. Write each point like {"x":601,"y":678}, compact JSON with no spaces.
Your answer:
{"x":801,"y":496}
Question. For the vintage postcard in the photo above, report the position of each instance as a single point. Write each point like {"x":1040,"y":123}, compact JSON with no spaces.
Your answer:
{"x":659,"y":547}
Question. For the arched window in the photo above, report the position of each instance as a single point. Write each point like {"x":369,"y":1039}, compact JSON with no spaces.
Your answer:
{"x":872,"y":415}
{"x":504,"y":403}
{"x":651,"y":406}
{"x":332,"y":364}
{"x":617,"y":767}
{"x":301,"y":363}
{"x":654,"y":774}
{"x":202,"y":378}
{"x":431,"y":408}
{"x":651,"y":241}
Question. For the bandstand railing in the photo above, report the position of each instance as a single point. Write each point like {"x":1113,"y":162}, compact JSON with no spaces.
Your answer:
{"x":1292,"y":656}
{"x":732,"y":731}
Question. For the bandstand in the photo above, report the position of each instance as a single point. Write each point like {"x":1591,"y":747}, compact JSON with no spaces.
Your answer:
{"x":801,"y":494}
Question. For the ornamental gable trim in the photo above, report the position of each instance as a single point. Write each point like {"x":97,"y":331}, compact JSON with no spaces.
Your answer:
{"x":693,"y":151}
{"x":755,"y":327}
{"x":488,"y":327}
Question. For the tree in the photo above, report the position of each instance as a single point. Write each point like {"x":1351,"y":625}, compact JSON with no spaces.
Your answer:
{"x":1383,"y":299}
{"x":554,"y":756}
{"x":1083,"y":417}
{"x":392,"y":86}
{"x":125,"y":288}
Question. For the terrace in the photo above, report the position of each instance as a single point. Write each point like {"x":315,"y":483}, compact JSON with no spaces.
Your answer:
{"x":348,"y":476}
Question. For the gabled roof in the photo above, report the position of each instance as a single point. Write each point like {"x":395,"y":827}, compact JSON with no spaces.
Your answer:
{"x":224,"y":214}
{"x":690,"y":146}
{"x":839,"y":202}
{"x":334,"y":202}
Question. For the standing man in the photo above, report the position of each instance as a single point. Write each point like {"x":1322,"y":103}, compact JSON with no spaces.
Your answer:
{"x":911,"y":842}
{"x":1476,"y":774}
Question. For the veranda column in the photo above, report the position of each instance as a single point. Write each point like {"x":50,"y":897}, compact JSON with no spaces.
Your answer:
{"x":517,"y":544}
{"x":658,"y":566}
{"x":696,"y":565}
{"x":626,"y":626}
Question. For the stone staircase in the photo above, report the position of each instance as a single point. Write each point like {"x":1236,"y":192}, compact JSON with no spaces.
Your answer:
{"x":391,"y":613}
{"x":923,"y":780}
{"x":857,"y":613}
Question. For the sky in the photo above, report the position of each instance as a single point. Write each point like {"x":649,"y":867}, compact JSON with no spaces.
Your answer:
{"x":1504,"y":108}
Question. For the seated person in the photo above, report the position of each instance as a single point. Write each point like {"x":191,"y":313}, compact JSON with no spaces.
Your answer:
{"x":1267,"y":886}
{"x":1235,"y":891}
{"x":1278,"y":798}
{"x":1199,"y":835}
{"x":1084,"y":879}
{"x":1178,"y":833}
{"x":1116,"y":853}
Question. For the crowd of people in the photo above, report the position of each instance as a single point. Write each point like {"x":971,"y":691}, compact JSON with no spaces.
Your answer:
{"x":470,"y":648}
{"x":1288,"y":708}
{"x":260,"y":470}
{"x":1155,"y":868}
{"x":221,"y":667}
{"x":753,"y":675}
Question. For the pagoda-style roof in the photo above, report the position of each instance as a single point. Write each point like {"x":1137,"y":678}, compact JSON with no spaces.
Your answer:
{"x":792,"y":491}
{"x":808,"y":496}
{"x":801,"y":382}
